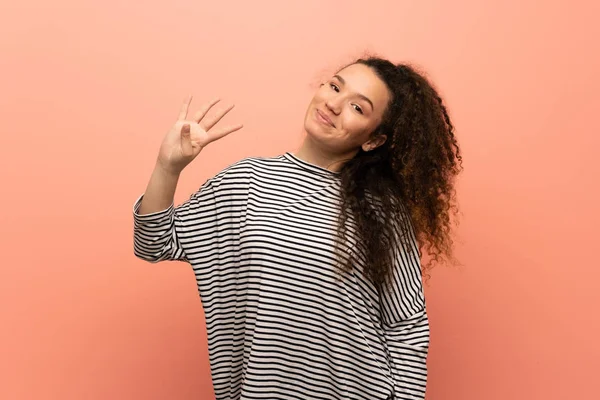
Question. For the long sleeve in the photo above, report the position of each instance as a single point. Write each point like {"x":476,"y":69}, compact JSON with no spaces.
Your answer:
{"x":406,"y":326}
{"x":166,"y":234}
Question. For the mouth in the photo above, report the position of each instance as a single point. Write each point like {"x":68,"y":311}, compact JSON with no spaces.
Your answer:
{"x":323,"y":118}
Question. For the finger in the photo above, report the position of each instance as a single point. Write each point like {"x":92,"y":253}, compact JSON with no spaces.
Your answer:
{"x":184,"y":108}
{"x":202,"y":112}
{"x":219,"y":133}
{"x":210,"y":123}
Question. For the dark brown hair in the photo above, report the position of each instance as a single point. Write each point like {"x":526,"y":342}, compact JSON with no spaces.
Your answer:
{"x":405,"y":186}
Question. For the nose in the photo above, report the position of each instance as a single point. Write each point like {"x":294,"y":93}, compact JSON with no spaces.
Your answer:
{"x":334,"y":104}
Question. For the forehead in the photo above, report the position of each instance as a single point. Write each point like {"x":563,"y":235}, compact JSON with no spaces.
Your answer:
{"x":362,"y":79}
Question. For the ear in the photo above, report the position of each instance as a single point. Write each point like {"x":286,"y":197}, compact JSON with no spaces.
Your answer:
{"x":374,"y":142}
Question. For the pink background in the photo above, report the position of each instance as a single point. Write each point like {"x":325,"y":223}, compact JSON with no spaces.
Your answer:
{"x":88,"y":89}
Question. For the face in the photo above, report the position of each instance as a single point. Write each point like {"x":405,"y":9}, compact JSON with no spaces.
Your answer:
{"x":346,"y":110}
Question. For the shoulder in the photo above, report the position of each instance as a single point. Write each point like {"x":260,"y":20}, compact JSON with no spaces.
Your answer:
{"x":249,"y":165}
{"x":241,"y":171}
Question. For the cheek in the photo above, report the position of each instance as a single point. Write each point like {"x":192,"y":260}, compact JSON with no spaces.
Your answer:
{"x":318,"y":99}
{"x":314,"y":102}
{"x":355,"y":125}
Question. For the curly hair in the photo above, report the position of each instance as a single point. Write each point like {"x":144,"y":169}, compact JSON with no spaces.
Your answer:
{"x":404,"y":189}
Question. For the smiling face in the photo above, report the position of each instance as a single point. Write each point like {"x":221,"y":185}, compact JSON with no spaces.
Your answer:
{"x":346,"y":110}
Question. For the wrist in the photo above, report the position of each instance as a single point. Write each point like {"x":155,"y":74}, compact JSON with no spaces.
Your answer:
{"x":167,"y":171}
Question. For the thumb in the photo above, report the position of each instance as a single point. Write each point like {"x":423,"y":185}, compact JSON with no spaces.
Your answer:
{"x":185,"y":130}
{"x":186,"y":141}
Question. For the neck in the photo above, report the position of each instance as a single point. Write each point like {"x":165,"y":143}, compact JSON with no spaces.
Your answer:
{"x":312,"y":153}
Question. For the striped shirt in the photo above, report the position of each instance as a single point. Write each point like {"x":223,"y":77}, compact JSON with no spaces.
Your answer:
{"x":281,"y":322}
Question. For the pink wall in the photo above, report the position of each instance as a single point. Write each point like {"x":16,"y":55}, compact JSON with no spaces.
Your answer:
{"x":88,"y":90}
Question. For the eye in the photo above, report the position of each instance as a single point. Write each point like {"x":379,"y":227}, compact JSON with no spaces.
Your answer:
{"x":334,"y":87}
{"x":357,"y":108}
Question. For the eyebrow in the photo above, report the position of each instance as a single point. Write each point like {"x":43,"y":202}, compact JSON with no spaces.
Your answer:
{"x":362,"y":96}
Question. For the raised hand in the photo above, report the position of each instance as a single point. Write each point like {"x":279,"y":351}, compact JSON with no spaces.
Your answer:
{"x":187,"y":138}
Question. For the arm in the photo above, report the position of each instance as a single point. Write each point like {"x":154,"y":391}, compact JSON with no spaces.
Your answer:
{"x":407,"y":343}
{"x":405,"y":324}
{"x":161,"y":231}
{"x":160,"y":191}
{"x":154,"y":234}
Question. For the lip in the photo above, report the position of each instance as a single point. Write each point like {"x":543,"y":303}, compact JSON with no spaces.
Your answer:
{"x":324,"y":118}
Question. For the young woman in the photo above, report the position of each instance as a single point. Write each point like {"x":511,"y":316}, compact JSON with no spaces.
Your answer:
{"x":308,"y":263}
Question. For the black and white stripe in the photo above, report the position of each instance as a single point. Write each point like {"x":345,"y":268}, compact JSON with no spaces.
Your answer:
{"x":281,"y":325}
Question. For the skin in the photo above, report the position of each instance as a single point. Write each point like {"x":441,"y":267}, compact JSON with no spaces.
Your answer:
{"x":355,"y":100}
